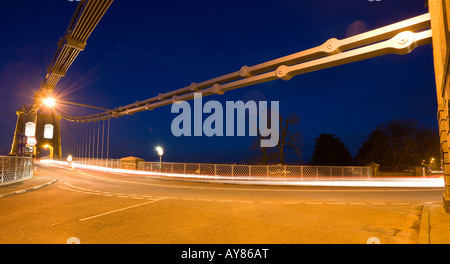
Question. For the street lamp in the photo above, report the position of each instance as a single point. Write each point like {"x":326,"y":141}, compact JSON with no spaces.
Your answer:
{"x":69,"y":160}
{"x":432,"y":163}
{"x":160,"y":153}
{"x":50,"y":102}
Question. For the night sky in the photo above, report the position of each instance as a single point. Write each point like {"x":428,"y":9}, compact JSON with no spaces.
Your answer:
{"x":142,"y":48}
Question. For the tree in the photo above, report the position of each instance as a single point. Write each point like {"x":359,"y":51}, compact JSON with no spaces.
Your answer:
{"x":330,"y":151}
{"x":289,"y":137}
{"x":264,"y":156}
{"x":374,"y":149}
{"x":289,"y":143}
{"x":400,"y":143}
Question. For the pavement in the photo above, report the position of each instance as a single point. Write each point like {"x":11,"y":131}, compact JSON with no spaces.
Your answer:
{"x":434,"y":224}
{"x":35,"y":183}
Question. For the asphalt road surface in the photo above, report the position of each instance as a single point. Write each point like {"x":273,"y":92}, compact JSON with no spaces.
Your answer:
{"x":97,"y":207}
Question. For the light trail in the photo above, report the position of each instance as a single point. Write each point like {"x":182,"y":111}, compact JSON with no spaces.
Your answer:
{"x":342,"y":182}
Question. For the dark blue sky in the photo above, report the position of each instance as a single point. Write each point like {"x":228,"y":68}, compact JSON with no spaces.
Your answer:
{"x":142,"y":48}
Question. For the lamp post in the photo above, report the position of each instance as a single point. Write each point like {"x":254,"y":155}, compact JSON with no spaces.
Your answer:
{"x":160,"y":153}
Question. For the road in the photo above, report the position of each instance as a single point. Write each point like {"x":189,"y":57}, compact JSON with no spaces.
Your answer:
{"x":100,"y":207}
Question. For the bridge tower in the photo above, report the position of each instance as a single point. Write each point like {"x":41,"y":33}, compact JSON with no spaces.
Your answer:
{"x":44,"y":125}
{"x":440,"y":25}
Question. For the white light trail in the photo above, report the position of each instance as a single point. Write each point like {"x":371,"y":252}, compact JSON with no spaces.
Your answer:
{"x":342,"y":182}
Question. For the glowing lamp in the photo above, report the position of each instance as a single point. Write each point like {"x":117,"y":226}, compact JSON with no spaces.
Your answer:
{"x":50,"y":102}
{"x":160,"y":151}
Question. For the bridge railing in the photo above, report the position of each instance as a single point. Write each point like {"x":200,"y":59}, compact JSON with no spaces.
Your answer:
{"x":260,"y":172}
{"x":108,"y":163}
{"x":241,"y":172}
{"x":15,"y":168}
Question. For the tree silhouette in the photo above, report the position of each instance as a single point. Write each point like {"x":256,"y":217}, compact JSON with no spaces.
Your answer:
{"x":330,"y":151}
{"x":289,"y":143}
{"x":400,"y":143}
{"x":290,"y":137}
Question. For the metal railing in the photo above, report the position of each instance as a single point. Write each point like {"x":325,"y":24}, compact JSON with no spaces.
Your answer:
{"x":15,"y":168}
{"x":260,"y":172}
{"x":241,"y":172}
{"x":107,"y":163}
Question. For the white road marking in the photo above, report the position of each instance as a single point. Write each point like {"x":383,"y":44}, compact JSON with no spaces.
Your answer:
{"x":117,"y":210}
{"x":152,"y":198}
{"x":109,"y":194}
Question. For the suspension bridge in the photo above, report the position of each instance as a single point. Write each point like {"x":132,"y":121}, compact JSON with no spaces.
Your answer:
{"x":40,"y":120}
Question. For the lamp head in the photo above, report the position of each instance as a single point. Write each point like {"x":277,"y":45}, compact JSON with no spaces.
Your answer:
{"x":50,"y":102}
